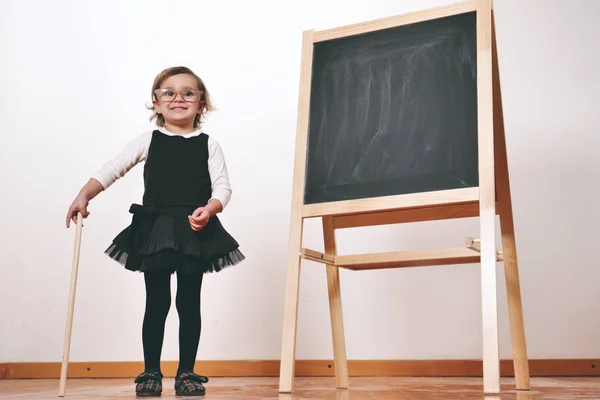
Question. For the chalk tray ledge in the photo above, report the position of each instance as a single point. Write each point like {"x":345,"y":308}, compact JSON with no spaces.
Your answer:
{"x":402,"y":259}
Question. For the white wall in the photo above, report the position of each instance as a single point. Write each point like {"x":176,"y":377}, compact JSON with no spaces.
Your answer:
{"x":75,"y":79}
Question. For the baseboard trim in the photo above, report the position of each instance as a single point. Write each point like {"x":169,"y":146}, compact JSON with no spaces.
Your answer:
{"x":304,"y":368}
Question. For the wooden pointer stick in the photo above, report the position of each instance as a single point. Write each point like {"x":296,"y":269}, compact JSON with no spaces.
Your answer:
{"x":67,"y":344}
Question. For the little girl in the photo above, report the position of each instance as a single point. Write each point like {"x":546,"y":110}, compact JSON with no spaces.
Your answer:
{"x":176,"y":229}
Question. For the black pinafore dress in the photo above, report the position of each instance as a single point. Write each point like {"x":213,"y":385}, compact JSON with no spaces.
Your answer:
{"x":176,"y":182}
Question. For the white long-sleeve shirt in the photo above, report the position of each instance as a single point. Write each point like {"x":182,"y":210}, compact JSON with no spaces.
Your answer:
{"x":136,"y":151}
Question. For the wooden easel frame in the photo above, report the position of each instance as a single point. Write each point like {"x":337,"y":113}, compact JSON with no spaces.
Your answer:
{"x":492,"y":197}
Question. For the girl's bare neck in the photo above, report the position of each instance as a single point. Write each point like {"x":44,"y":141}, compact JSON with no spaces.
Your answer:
{"x":180,"y":129}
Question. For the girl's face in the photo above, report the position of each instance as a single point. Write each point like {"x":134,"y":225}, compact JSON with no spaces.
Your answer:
{"x":179,"y":100}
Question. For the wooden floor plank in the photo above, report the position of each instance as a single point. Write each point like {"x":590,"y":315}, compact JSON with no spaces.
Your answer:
{"x":381,"y":388}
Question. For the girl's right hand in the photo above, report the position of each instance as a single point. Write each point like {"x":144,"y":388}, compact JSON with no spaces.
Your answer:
{"x":79,"y":205}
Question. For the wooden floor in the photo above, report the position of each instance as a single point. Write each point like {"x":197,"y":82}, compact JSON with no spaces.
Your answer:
{"x":313,"y":388}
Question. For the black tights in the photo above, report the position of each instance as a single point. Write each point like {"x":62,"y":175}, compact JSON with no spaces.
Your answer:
{"x":158,"y":303}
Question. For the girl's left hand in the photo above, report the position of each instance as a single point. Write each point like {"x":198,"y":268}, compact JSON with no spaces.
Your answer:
{"x":199,"y":218}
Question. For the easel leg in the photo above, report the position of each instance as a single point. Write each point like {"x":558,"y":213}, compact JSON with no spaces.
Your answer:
{"x":292,"y":286}
{"x":511,"y":270}
{"x":335,"y":308}
{"x":491,"y":356}
{"x":487,"y":200}
{"x":290,"y":317}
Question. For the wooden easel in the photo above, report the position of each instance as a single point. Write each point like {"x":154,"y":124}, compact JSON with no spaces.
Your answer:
{"x":491,"y":198}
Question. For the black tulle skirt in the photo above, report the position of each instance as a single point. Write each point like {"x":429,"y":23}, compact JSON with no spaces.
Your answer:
{"x":160,"y":238}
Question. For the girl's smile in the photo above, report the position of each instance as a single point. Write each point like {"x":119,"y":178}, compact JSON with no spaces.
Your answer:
{"x":178,"y":108}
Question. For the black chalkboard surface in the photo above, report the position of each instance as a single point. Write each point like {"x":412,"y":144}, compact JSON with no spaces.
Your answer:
{"x":394,"y":112}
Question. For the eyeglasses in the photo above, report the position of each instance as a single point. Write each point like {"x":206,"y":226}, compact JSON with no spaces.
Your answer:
{"x":189,"y":95}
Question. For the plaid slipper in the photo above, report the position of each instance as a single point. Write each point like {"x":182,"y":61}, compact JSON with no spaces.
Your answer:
{"x":149,"y":384}
{"x":190,"y":384}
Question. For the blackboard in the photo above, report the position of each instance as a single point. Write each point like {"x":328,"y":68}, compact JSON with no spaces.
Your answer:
{"x":394,"y":112}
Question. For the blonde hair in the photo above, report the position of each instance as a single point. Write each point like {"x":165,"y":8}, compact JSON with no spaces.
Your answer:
{"x":205,"y":103}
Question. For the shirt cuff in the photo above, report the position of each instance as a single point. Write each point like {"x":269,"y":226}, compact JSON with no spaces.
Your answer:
{"x":107,"y":175}
{"x":222,"y":197}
